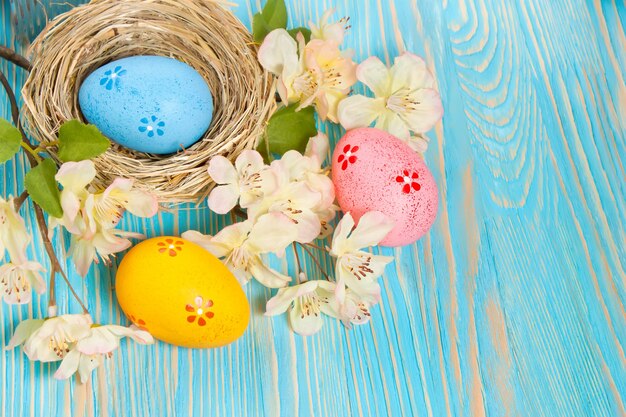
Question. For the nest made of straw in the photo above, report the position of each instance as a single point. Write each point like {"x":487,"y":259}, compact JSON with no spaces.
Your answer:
{"x":201,"y":33}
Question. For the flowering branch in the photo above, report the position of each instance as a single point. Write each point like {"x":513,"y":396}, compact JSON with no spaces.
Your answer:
{"x":41,"y":222}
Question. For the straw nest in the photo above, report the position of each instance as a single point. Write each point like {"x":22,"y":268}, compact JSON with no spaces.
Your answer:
{"x":201,"y":33}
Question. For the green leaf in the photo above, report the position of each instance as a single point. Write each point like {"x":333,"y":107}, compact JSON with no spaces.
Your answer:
{"x":10,"y":141}
{"x":305,"y":32}
{"x":275,"y":14}
{"x":78,"y":141}
{"x":288,"y":129}
{"x":43,"y":188}
{"x":259,"y":28}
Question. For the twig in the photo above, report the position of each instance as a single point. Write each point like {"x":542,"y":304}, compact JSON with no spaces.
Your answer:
{"x":313,"y":245}
{"x":19,"y":201}
{"x":295,"y":252}
{"x":41,"y":221}
{"x":319,"y":265}
{"x":240,"y":213}
{"x":14,"y":57}
{"x":52,"y":299}
{"x":43,"y":227}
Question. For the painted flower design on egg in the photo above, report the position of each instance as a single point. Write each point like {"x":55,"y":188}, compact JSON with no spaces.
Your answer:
{"x":170,"y":246}
{"x":152,"y":125}
{"x":112,"y":77}
{"x":409,"y":181}
{"x":199,"y":311}
{"x":348,"y":156}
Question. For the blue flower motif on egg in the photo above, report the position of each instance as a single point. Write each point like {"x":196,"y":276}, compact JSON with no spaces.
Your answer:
{"x":112,"y":77}
{"x":152,"y":125}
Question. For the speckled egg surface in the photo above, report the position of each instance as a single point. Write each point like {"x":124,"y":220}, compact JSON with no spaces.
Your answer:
{"x":149,"y":104}
{"x":375,"y":171}
{"x":181,"y":294}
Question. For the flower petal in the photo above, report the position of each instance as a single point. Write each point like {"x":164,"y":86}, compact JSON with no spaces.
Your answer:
{"x":249,"y":162}
{"x":317,"y":148}
{"x":83,"y":253}
{"x":222,"y":170}
{"x":419,"y":143}
{"x":391,"y":122}
{"x":340,"y":237}
{"x":279,"y":53}
{"x":23,"y":332}
{"x":308,"y":227}
{"x":285,"y":296}
{"x":267,"y":276}
{"x":374,"y":73}
{"x":142,"y":204}
{"x":206,"y":241}
{"x":302,"y":323}
{"x":427,"y":113}
{"x":69,"y":365}
{"x":410,"y":71}
{"x":86,"y":365}
{"x":234,"y":235}
{"x":272,"y":232}
{"x":100,"y":340}
{"x":359,"y":111}
{"x":373,"y":227}
{"x":75,"y":176}
{"x":223,"y":198}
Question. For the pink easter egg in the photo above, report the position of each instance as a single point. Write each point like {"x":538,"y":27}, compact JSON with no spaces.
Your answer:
{"x":375,"y":171}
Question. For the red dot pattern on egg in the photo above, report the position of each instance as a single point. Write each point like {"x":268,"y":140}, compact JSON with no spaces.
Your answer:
{"x":375,"y":171}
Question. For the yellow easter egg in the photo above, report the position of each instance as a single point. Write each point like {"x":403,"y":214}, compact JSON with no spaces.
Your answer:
{"x":181,"y":294}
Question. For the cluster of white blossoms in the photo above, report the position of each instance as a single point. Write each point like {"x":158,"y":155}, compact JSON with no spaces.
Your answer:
{"x":405,"y":103}
{"x":91,"y":216}
{"x":289,"y":201}
{"x":19,"y":275}
{"x":315,"y":73}
{"x":74,"y":340}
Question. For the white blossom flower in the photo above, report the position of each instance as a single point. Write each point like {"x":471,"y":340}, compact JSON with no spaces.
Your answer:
{"x":352,"y":308}
{"x":296,"y":201}
{"x":245,"y":183}
{"x":16,"y":281}
{"x":241,"y":245}
{"x":316,"y":73}
{"x":329,"y":31}
{"x":357,"y":269}
{"x":110,"y":205}
{"x":88,"y":248}
{"x":306,"y":302}
{"x":51,"y":339}
{"x":91,"y":217}
{"x":304,"y":191}
{"x":14,"y":238}
{"x":405,"y":100}
{"x":88,"y":352}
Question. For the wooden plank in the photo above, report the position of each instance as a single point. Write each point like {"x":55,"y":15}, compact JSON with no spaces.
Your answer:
{"x":513,"y":305}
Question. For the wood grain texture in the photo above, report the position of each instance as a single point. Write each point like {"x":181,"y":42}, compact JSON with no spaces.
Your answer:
{"x":513,"y":305}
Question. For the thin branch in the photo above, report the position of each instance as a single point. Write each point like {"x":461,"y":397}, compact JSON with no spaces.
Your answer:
{"x":239,"y":213}
{"x":12,"y":56}
{"x":19,"y":201}
{"x":319,"y":265}
{"x":56,"y":266}
{"x":295,"y":252}
{"x":313,"y":245}
{"x":52,"y":299}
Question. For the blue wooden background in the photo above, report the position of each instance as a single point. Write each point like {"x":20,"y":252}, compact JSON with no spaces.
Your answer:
{"x":513,"y":305}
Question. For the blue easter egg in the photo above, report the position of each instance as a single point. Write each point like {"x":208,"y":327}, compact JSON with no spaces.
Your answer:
{"x":150,"y":104}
